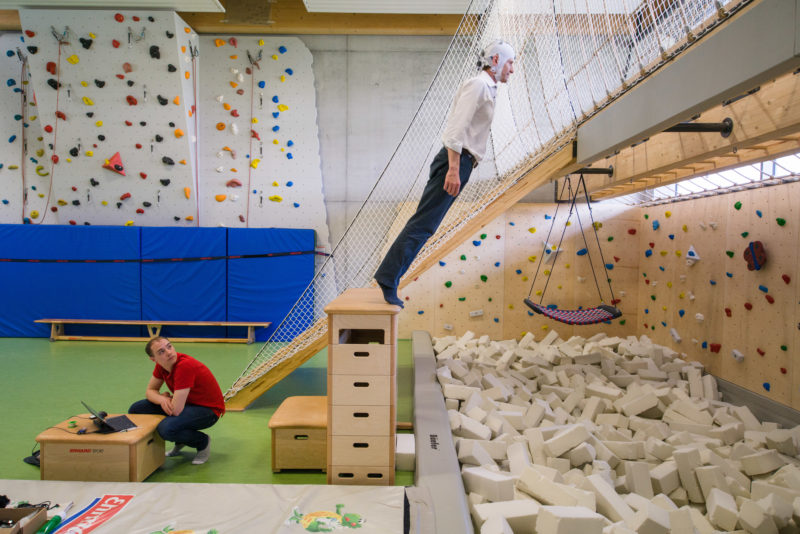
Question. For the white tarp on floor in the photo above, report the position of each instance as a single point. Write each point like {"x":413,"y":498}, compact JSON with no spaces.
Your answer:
{"x":142,"y":508}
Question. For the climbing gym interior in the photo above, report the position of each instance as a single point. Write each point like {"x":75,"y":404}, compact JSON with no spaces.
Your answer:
{"x":598,"y":338}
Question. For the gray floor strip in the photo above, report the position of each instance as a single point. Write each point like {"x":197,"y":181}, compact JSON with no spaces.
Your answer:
{"x":438,"y":471}
{"x":762,"y":407}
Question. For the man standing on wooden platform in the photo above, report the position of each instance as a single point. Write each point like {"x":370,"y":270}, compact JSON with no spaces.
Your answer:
{"x":465,"y":136}
{"x":194,"y":400}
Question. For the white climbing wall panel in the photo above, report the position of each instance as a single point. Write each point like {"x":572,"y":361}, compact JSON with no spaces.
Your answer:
{"x":259,"y":162}
{"x":117,"y":94}
{"x":480,"y":286}
{"x":733,"y":301}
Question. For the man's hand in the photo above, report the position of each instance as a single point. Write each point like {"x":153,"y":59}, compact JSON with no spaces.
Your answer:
{"x":166,"y":404}
{"x":452,"y":181}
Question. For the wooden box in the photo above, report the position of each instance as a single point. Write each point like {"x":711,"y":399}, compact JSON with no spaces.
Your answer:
{"x":300,"y":434}
{"x":362,"y":420}
{"x":366,"y":451}
{"x":359,"y":475}
{"x":117,"y":457}
{"x":16,"y":514}
{"x":361,"y":359}
{"x":361,"y":390}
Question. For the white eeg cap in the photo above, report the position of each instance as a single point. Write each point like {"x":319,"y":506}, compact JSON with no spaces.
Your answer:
{"x":500,"y":48}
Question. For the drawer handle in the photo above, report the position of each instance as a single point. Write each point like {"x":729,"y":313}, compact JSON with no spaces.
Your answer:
{"x":361,"y":354}
{"x":374,"y":475}
{"x":360,"y":414}
{"x":361,"y":445}
{"x":361,"y":384}
{"x":151,"y":440}
{"x":346,"y":475}
{"x":301,"y":436}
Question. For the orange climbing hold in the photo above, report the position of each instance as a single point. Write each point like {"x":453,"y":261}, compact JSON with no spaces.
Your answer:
{"x":220,"y":198}
{"x":178,"y":133}
{"x":177,"y":100}
{"x":220,"y":126}
{"x":187,"y":192}
{"x":219,"y":42}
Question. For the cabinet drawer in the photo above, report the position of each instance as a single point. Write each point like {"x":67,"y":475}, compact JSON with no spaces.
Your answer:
{"x":360,"y":390}
{"x":354,"y":329}
{"x":362,"y":420}
{"x":361,"y":359}
{"x":362,"y":450}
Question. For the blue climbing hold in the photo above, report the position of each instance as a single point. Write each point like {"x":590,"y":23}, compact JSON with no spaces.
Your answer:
{"x":530,"y":313}
{"x":12,"y":138}
{"x":511,"y":224}
{"x":289,"y":183}
{"x":496,"y":320}
{"x":289,"y":155}
{"x":656,"y":225}
{"x":289,"y":72}
{"x":712,"y":282}
{"x":663,"y":323}
{"x":646,"y":310}
{"x":552,"y":307}
{"x":262,"y":84}
{"x":648,"y":253}
{"x":661,"y":268}
{"x":681,"y":312}
{"x":276,"y":128}
{"x":582,"y":252}
{"x":11,"y":82}
{"x":275,"y":99}
{"x":547,"y":217}
{"x":441,"y":263}
{"x":729,"y":275}
{"x":671,"y":236}
{"x":758,"y":212}
{"x":609,"y":266}
{"x":282,"y":49}
{"x":10,"y":53}
{"x":763,"y":288}
{"x":476,"y":243}
{"x":17,"y":117}
{"x":766,"y":385}
{"x":290,"y":143}
{"x":704,"y":344}
{"x":519,"y":271}
{"x":275,"y":114}
{"x":5,"y":201}
{"x":497,"y":264}
{"x":254,"y":191}
{"x":296,"y":205}
{"x":420,"y":312}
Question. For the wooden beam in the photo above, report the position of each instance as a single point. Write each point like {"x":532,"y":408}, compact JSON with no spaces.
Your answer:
{"x":558,"y":164}
{"x":763,"y":121}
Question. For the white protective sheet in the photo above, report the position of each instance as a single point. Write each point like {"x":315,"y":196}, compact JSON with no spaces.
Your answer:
{"x":214,"y":508}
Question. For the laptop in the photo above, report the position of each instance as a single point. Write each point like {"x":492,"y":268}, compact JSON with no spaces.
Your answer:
{"x":110,"y":424}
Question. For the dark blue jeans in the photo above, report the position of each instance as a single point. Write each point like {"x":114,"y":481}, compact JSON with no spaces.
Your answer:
{"x":431,"y":210}
{"x":183,"y":429}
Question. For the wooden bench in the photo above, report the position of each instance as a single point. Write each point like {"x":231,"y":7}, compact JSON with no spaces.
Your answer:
{"x":153,"y":329}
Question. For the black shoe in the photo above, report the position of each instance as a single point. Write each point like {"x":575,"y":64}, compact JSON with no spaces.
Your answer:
{"x":390,"y":295}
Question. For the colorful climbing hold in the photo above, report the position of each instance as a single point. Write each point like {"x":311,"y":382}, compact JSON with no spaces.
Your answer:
{"x":738,"y":205}
{"x":220,"y":198}
{"x":187,"y":192}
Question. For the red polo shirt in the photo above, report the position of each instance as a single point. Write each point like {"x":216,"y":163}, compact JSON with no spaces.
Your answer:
{"x":192,"y":374}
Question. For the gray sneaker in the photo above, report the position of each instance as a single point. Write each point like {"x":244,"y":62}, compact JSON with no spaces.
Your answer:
{"x":202,"y":455}
{"x":175,"y":451}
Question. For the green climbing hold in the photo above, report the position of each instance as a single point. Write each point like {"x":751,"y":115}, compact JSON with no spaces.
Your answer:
{"x":646,"y":216}
{"x":611,"y":238}
{"x":745,"y":234}
{"x":483,"y":236}
{"x":490,"y":299}
{"x":463,"y":257}
{"x":784,"y":348}
{"x":484,"y":278}
{"x":652,"y":297}
{"x":644,"y":274}
{"x":738,"y":205}
{"x":462,"y":299}
{"x":730,"y":253}
{"x":653,"y":327}
{"x":448,"y":284}
{"x":781,"y":221}
{"x":622,"y":321}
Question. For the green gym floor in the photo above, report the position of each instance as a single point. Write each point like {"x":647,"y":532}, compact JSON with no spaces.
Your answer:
{"x":44,"y":384}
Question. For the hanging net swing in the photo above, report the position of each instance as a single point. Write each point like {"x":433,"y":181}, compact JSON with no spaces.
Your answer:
{"x":582,"y":316}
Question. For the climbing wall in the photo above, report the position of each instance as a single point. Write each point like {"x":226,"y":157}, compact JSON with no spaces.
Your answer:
{"x":740,"y":323}
{"x":481,"y":285}
{"x":259,"y":162}
{"x":116,"y":116}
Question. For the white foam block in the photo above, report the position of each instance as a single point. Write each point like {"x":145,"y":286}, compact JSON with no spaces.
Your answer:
{"x":494,"y":486}
{"x":520,"y":514}
{"x":569,"y":520}
{"x":722,"y":510}
{"x":405,"y":452}
{"x":762,"y":462}
{"x":754,"y":520}
{"x":609,"y":503}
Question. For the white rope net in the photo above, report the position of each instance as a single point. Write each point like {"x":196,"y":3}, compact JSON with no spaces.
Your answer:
{"x":573,"y":58}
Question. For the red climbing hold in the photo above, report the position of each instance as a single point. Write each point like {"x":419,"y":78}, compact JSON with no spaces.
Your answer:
{"x":139,"y":210}
{"x":54,"y":208}
{"x":114,"y":43}
{"x":248,"y":70}
{"x":51,"y":67}
{"x":728,"y":312}
{"x":139,"y":146}
{"x":131,"y":100}
{"x":121,"y":76}
{"x":783,"y":370}
{"x":48,"y":129}
{"x":60,"y":115}
{"x":126,"y":67}
{"x":785,"y":278}
{"x":715,"y":347}
{"x":54,"y":158}
{"x":240,"y":91}
{"x":632,"y":231}
{"x":760,"y":351}
{"x":135,"y":19}
{"x":234,"y":112}
{"x":254,"y":134}
{"x":652,"y":245}
{"x":770,"y":299}
{"x":232,"y":42}
{"x":646,"y":281}
{"x":118,"y":17}
{"x":73,"y":223}
{"x":115,"y":164}
{"x":233,"y":183}
{"x":614,"y":302}
{"x":143,"y":175}
{"x":241,"y":218}
{"x":126,"y":195}
{"x":748,"y":306}
{"x":128,"y":123}
{"x":29,"y":33}
{"x":74,"y":188}
{"x":616,"y":259}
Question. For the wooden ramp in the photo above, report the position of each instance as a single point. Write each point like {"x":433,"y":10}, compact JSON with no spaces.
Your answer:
{"x":557,"y":164}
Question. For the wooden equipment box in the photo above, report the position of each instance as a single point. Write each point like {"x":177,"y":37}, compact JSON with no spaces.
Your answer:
{"x":299,"y":430}
{"x":16,"y":514}
{"x":118,"y":457}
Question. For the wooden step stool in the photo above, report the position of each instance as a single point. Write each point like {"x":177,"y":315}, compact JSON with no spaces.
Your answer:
{"x":300,"y":434}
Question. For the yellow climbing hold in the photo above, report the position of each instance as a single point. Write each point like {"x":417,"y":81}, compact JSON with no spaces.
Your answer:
{"x":34,"y":214}
{"x":98,"y":123}
{"x":275,"y":57}
{"x":678,"y":253}
{"x":597,"y":225}
{"x":254,"y":121}
{"x":274,"y":141}
{"x":531,"y":258}
{"x":33,"y":118}
{"x":559,"y":286}
{"x":524,"y":278}
{"x":220,"y":198}
{"x":62,"y":202}
{"x":283,"y":78}
{"x":87,"y":101}
{"x":219,"y":42}
{"x":41,"y":195}
{"x":663,"y":252}
{"x":667,"y":214}
{"x":90,"y":153}
{"x":547,"y":272}
{"x":187,"y":192}
{"x":178,"y":133}
{"x":73,"y":59}
{"x":104,"y":203}
{"x":84,"y":84}
{"x":93,"y":36}
{"x":255,"y":163}
{"x":69,"y":160}
{"x":275,"y":184}
{"x":664,"y":308}
{"x":681,"y":295}
{"x":129,"y":223}
{"x":282,"y":107}
{"x":532,"y":230}
{"x":669,"y":284}
{"x":685,"y":228}
{"x":544,"y":327}
{"x":40,"y":152}
{"x":566,"y":266}
{"x":40,"y":170}
{"x":539,"y":293}
{"x":261,"y":42}
{"x":276,"y":198}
